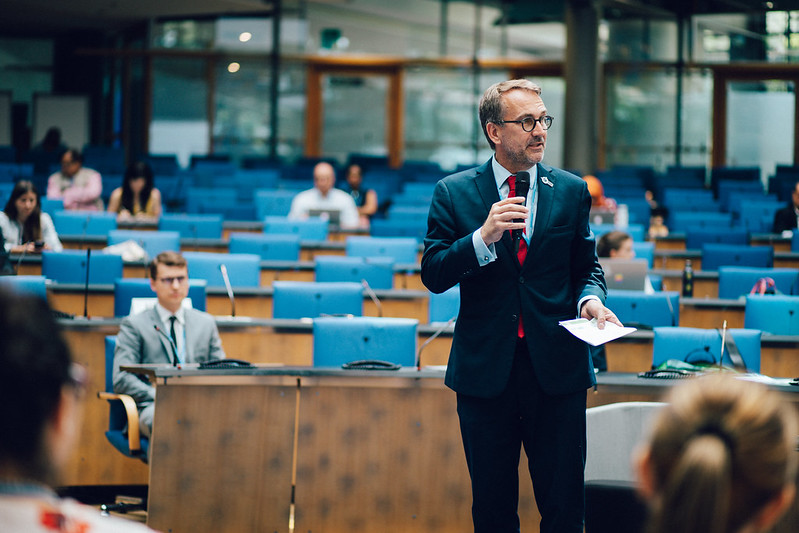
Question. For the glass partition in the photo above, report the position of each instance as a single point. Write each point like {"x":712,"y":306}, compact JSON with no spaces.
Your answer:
{"x":760,"y":124}
{"x":180,"y":120}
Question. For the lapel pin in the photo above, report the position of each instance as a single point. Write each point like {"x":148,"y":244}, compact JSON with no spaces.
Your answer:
{"x":545,"y":181}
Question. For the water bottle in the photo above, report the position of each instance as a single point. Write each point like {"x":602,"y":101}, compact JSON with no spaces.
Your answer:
{"x":688,"y":280}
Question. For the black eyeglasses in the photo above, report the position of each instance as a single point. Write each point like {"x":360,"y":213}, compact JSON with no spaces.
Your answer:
{"x":171,"y":281}
{"x":528,"y":124}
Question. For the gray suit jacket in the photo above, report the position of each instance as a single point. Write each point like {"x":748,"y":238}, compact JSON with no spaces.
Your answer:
{"x":139,"y":342}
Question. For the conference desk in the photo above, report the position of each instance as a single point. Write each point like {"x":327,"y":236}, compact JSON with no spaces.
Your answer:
{"x":290,"y":342}
{"x":325,"y":449}
{"x":676,"y":241}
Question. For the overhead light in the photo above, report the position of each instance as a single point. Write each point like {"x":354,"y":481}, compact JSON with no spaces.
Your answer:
{"x":245,"y":36}
{"x":233,"y":67}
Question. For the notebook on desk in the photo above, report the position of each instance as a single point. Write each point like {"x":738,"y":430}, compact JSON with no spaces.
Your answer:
{"x":625,"y":274}
{"x":333,"y":216}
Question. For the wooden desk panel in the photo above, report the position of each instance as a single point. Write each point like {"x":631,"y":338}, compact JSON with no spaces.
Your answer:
{"x":221,"y":458}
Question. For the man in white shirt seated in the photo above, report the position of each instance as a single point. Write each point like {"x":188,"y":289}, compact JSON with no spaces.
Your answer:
{"x":324,"y":196}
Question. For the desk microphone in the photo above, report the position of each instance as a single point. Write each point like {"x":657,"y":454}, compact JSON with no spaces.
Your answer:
{"x":86,"y":285}
{"x":171,"y":343}
{"x":435,"y":334}
{"x":226,"y":279}
{"x":84,"y":232}
{"x":19,"y":261}
{"x":522,"y":188}
{"x":373,"y":297}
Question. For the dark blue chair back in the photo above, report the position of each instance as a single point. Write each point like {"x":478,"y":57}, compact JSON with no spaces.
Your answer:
{"x":244,"y":270}
{"x":719,"y":255}
{"x":84,"y":222}
{"x":339,"y":340}
{"x":377,"y":271}
{"x":310,"y":299}
{"x":694,"y":239}
{"x":153,"y":242}
{"x":695,"y":345}
{"x":117,"y":419}
{"x":270,"y":247}
{"x":401,"y":249}
{"x":773,"y":313}
{"x":735,"y":282}
{"x":192,"y":226}
{"x":647,"y":310}
{"x":69,"y":266}
{"x":311,"y":229}
{"x":444,"y":306}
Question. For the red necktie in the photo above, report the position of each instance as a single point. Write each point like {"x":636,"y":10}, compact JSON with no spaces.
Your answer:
{"x":522,"y":252}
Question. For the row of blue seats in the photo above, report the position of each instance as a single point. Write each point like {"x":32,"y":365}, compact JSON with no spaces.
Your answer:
{"x":290,"y":299}
{"x":773,"y":314}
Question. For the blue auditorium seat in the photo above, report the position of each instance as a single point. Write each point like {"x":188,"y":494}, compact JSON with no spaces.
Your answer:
{"x":387,"y":227}
{"x":192,"y":226}
{"x":695,"y":345}
{"x":648,"y":310}
{"x":84,"y":222}
{"x":273,"y":202}
{"x":339,"y":340}
{"x":244,"y":270}
{"x":69,"y":266}
{"x":125,"y":289}
{"x":695,"y":238}
{"x":270,"y":247}
{"x":444,"y":306}
{"x":310,"y":229}
{"x":378,"y":272}
{"x":718,"y":255}
{"x":735,"y":282}
{"x":311,"y":299}
{"x":776,"y":314}
{"x":401,"y":249}
{"x":153,"y":242}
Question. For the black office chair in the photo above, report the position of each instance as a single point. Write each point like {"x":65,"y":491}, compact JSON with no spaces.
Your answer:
{"x":123,"y":427}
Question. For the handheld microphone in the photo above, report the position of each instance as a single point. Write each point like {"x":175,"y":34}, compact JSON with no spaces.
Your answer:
{"x":86,"y":286}
{"x":522,"y":188}
{"x":226,"y":279}
{"x":171,"y":343}
{"x":373,"y":297}
{"x":435,"y":334}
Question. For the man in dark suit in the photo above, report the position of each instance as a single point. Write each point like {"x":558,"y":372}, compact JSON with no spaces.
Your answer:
{"x":160,"y":334}
{"x":520,"y":378}
{"x":787,"y":218}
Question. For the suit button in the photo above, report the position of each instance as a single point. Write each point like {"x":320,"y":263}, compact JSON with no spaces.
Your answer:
{"x":521,"y":280}
{"x":514,"y":318}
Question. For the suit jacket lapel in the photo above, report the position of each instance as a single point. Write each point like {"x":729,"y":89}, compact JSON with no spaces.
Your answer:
{"x":546,"y":196}
{"x":487,"y":188}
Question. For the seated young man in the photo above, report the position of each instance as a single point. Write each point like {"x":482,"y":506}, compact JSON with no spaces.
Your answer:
{"x":163,"y":334}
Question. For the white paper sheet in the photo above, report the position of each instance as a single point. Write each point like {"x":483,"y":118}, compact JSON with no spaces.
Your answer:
{"x":588,"y":331}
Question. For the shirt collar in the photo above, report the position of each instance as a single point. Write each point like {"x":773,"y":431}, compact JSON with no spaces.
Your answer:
{"x":501,"y":174}
{"x":164,"y":314}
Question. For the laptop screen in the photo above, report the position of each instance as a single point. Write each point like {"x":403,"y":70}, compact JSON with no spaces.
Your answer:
{"x":331,"y":215}
{"x":625,"y":274}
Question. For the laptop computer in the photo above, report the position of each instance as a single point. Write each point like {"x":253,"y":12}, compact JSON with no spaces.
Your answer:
{"x":625,"y":274}
{"x":598,"y":216}
{"x":333,"y":216}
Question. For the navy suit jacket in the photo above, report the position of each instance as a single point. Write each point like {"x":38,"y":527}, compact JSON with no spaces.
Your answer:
{"x":561,"y":268}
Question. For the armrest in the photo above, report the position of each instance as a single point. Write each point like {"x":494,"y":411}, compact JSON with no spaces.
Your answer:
{"x":134,"y":440}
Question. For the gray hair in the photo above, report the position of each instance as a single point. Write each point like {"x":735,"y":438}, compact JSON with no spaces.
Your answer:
{"x":490,"y":107}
